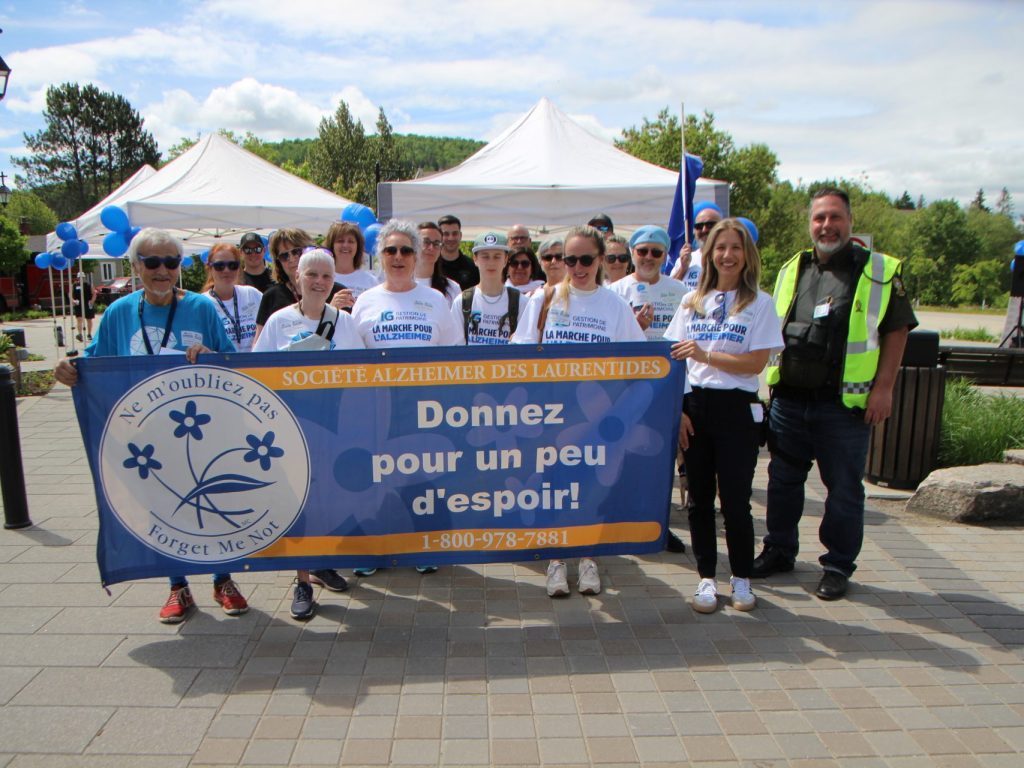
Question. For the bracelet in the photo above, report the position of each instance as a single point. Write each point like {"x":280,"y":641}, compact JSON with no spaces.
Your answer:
{"x":708,"y":357}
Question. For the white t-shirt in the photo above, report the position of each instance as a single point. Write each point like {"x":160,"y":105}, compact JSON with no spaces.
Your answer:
{"x":691,"y":276}
{"x":417,"y":318}
{"x":288,"y":325}
{"x":453,"y":291}
{"x":756,"y":327}
{"x":529,"y":288}
{"x":595,"y":316}
{"x":664,"y":296}
{"x":247,"y":302}
{"x":357,"y":281}
{"x":485,"y":315}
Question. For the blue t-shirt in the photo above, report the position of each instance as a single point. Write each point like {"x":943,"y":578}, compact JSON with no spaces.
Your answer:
{"x":195,"y":322}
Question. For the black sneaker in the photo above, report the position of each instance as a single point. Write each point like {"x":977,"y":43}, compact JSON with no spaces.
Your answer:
{"x":771,"y":560}
{"x":330,"y":579}
{"x":303,"y":605}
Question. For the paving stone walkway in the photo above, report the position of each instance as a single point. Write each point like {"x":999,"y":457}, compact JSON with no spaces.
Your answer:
{"x":923,"y":665}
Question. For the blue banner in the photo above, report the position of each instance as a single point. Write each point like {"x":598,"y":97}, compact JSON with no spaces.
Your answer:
{"x":432,"y":456}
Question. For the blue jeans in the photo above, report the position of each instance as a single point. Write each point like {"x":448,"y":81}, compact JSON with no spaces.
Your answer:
{"x":837,"y":438}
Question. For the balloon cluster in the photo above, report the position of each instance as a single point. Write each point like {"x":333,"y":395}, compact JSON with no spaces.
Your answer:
{"x":364,"y":217}
{"x":70,"y":249}
{"x":121,"y":231}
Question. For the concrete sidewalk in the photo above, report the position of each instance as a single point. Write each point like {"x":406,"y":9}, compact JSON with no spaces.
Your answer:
{"x":473,"y":666}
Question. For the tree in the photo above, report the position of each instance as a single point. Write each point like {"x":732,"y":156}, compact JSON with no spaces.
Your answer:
{"x":980,"y":283}
{"x":386,"y":152}
{"x":978,"y":203}
{"x":183,"y":146}
{"x":37,"y":214}
{"x":338,"y":159}
{"x":904,"y":202}
{"x":93,"y":141}
{"x":12,"y":248}
{"x":1004,"y":203}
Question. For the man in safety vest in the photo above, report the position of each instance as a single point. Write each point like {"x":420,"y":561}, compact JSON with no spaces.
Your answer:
{"x":845,"y":318}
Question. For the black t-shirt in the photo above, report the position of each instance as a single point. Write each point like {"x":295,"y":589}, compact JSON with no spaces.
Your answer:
{"x":279,"y":296}
{"x":816,"y":346}
{"x":260,"y":282}
{"x":462,"y":270}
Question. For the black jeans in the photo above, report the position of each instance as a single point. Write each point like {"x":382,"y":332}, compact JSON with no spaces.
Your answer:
{"x":722,"y":457}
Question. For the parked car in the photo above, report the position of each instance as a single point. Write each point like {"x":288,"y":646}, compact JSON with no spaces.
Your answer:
{"x":107,"y":292}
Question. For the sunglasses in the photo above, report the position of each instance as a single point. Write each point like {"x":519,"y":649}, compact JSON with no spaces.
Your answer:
{"x":613,"y":257}
{"x":294,"y":253}
{"x":586,"y":261}
{"x":551,"y":257}
{"x":154,"y":262}
{"x":220,"y":266}
{"x":519,"y":264}
{"x":705,"y":225}
{"x":656,"y":253}
{"x":253,"y":249}
{"x":431,"y":243}
{"x":601,"y":227}
{"x":405,"y":250}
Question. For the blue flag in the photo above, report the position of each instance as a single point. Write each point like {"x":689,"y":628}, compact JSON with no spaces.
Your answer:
{"x":678,"y":224}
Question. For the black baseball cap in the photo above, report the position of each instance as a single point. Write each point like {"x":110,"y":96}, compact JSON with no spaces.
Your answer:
{"x":250,"y":238}
{"x":602,"y":220}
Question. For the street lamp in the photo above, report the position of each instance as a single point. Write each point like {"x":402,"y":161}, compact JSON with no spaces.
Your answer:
{"x":5,"y":193}
{"x":5,"y":73}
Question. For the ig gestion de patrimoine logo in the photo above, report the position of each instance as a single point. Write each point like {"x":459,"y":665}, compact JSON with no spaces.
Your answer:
{"x":204,"y":464}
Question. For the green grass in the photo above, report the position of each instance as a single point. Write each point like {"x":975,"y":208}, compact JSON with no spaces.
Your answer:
{"x":967,"y":334}
{"x":35,"y":383}
{"x":25,"y":314}
{"x":966,"y":309}
{"x":977,"y":427}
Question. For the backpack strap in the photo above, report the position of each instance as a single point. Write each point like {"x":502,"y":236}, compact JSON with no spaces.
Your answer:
{"x":512,"y":316}
{"x":329,"y":323}
{"x":542,"y":319}
{"x":467,"y":310}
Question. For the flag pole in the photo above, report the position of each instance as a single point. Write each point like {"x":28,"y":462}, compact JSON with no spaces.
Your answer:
{"x":682,"y":170}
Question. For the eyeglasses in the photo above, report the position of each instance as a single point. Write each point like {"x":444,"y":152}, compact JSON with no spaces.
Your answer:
{"x":705,"y":225}
{"x":586,"y":261}
{"x":551,"y":257}
{"x":253,"y":249}
{"x":520,"y":264}
{"x":154,"y":262}
{"x":220,"y":266}
{"x":518,"y":238}
{"x":601,"y":227}
{"x":431,"y":243}
{"x":613,"y":257}
{"x":405,"y":250}
{"x":656,"y":253}
{"x":294,"y":253}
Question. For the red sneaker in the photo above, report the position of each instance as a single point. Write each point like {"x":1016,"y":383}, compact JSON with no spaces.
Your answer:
{"x":178,"y":604}
{"x":226,"y":593}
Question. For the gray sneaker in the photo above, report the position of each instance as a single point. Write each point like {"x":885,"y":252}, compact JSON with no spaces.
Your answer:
{"x":303,"y":605}
{"x":328,"y":578}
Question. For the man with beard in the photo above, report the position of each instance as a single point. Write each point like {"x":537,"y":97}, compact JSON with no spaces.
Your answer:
{"x":455,"y":264}
{"x":688,"y":265}
{"x":845,"y":317}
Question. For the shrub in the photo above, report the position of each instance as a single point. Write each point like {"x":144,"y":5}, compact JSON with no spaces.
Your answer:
{"x":967,"y":334}
{"x":978,"y":427}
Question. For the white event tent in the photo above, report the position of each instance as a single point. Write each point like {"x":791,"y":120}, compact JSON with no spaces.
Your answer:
{"x":214,"y":190}
{"x":546,"y":171}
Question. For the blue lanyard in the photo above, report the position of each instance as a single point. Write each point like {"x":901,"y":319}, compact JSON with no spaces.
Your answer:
{"x":237,"y":323}
{"x":167,"y":328}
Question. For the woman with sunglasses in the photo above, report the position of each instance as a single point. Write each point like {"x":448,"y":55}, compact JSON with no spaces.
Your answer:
{"x":161,"y":319}
{"x":417,"y":315}
{"x":236,"y":304}
{"x":550,"y":253}
{"x":522,"y":271}
{"x":577,"y":310}
{"x":725,"y":330}
{"x":428,"y":263}
{"x":345,"y":240}
{"x":286,"y":246}
{"x":616,"y":259}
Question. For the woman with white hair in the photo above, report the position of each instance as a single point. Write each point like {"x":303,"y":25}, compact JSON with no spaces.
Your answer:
{"x":550,"y":254}
{"x":162,"y":319}
{"x":311,"y":324}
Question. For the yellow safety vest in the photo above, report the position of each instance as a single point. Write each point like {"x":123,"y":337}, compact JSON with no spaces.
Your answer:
{"x":870,"y":300}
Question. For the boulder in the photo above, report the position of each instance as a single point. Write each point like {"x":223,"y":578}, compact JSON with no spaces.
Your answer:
{"x":985,"y":493}
{"x":1014,"y":456}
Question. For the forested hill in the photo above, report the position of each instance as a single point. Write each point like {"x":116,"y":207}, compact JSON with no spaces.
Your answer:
{"x":426,"y":154}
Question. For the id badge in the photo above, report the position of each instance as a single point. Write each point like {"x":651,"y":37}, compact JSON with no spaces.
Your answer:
{"x":822,"y":310}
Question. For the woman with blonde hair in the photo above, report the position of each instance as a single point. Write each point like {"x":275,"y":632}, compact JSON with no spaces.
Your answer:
{"x":726,"y":330}
{"x":236,"y":304}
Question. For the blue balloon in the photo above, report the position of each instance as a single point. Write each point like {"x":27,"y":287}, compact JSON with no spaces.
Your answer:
{"x":751,"y":227}
{"x":357,"y":213}
{"x":131,"y":233}
{"x":370,"y":235}
{"x":42,"y":260}
{"x":58,"y":261}
{"x":85,"y":246}
{"x":114,"y":219}
{"x":186,"y":262}
{"x":1018,"y":249}
{"x":115,"y":244}
{"x":204,"y":256}
{"x":266,"y":249}
{"x":67,"y":231}
{"x":71,"y":249}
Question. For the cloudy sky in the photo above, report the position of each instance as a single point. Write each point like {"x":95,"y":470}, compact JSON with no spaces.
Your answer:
{"x":902,"y":95}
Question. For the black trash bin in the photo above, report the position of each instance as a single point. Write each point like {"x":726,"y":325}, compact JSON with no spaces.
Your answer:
{"x":17,"y":335}
{"x":903,"y":449}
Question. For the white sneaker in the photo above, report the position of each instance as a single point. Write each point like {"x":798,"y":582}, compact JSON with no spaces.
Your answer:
{"x":742,"y":596}
{"x":705,"y":599}
{"x":558,"y":584}
{"x":590,"y":577}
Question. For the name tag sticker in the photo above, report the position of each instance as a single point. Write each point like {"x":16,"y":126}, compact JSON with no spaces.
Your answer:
{"x":757,"y":411}
{"x":822,"y":310}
